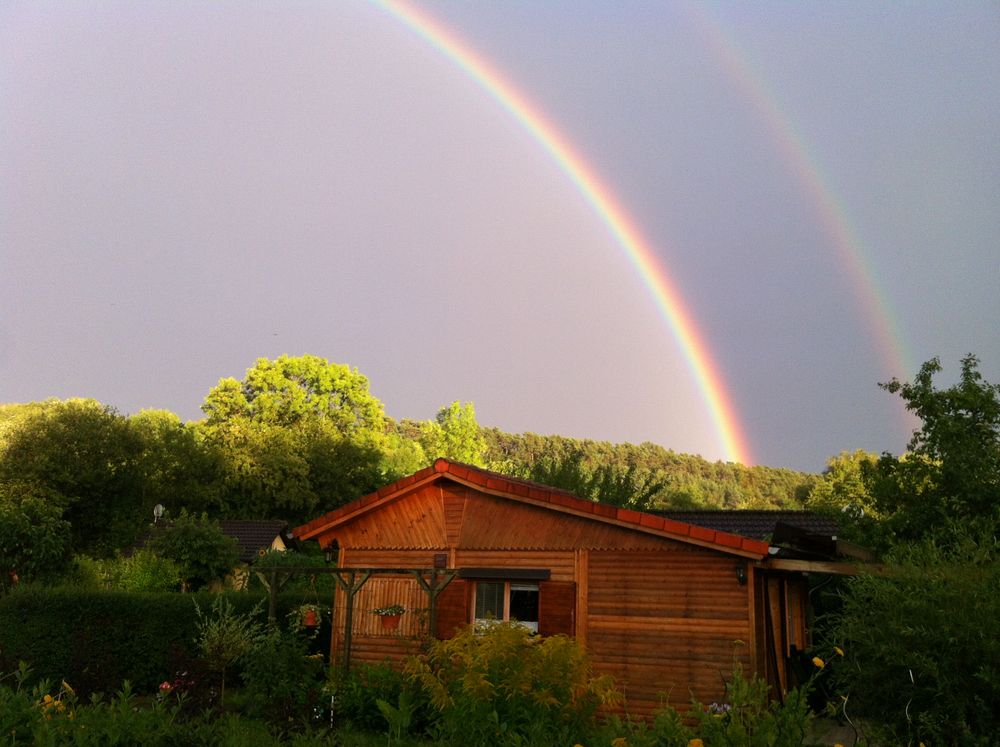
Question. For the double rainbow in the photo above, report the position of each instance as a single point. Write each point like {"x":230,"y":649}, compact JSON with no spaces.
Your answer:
{"x":604,"y":204}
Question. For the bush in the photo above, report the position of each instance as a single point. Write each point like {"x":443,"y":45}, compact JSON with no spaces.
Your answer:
{"x":98,"y":639}
{"x":357,"y":694}
{"x":34,"y":538}
{"x":199,"y":547}
{"x":44,"y":716}
{"x":225,"y":636}
{"x":499,"y":684}
{"x":922,"y":659}
{"x":321,"y":585}
{"x":748,"y":718}
{"x":283,"y":682}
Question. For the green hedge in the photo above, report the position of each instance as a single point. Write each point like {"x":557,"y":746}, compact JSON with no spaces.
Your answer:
{"x":95,"y":640}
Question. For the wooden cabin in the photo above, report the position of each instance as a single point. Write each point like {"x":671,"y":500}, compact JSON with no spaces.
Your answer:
{"x":662,"y":605}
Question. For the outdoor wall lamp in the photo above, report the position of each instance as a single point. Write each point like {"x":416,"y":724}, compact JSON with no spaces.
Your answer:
{"x":741,"y":574}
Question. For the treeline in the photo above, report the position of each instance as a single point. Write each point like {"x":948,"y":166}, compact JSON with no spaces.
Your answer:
{"x":658,"y":477}
{"x":296,"y":437}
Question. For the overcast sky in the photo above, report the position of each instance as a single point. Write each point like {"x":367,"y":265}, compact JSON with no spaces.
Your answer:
{"x":187,"y":186}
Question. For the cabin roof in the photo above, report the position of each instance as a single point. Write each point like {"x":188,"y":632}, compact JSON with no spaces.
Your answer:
{"x":533,"y":493}
{"x":755,"y":523}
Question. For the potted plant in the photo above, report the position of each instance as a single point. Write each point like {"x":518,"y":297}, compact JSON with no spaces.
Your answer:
{"x":390,"y":615}
{"x":310,"y":615}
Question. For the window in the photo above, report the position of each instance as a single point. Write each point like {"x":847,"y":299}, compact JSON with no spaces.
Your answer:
{"x":507,"y":600}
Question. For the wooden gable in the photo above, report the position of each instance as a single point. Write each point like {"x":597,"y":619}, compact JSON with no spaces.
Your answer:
{"x":451,"y":505}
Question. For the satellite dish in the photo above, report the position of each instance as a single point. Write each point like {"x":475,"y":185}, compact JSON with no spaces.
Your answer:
{"x":157,"y":512}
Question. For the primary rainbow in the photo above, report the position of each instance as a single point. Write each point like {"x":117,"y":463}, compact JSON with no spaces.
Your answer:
{"x":625,"y":233}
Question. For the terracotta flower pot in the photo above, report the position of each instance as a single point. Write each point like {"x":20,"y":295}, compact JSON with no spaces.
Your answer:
{"x":390,"y":622}
{"x":310,"y":619}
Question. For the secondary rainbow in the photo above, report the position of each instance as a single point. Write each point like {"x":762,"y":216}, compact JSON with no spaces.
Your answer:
{"x":621,"y":227}
{"x":832,"y":215}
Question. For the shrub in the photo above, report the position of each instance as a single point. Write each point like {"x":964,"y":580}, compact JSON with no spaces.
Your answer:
{"x":49,"y":717}
{"x":921,"y":659}
{"x":499,"y":684}
{"x":143,"y":571}
{"x":283,"y":682}
{"x":226,"y":636}
{"x":357,"y":693}
{"x":199,"y":547}
{"x":34,"y":538}
{"x":322,"y":585}
{"x":749,"y":718}
{"x":96,"y":639}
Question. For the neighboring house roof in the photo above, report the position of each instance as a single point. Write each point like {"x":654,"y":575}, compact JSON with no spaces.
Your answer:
{"x":534,"y":493}
{"x":756,"y":524}
{"x":253,"y":536}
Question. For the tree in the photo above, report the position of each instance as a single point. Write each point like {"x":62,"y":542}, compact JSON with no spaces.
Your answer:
{"x":454,"y":434}
{"x":295,"y":435}
{"x":198,"y":546}
{"x":952,"y":470}
{"x":920,"y":658}
{"x":616,"y":486}
{"x":34,"y":538}
{"x":85,"y":458}
{"x":842,"y":491}
{"x":179,"y":469}
{"x":289,"y":390}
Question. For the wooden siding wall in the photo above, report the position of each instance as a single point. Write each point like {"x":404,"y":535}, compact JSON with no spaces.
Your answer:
{"x":560,"y":563}
{"x":666,"y":624}
{"x":370,"y":642}
{"x":664,"y":617}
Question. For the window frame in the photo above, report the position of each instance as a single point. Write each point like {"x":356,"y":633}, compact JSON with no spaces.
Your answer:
{"x":531,"y":625}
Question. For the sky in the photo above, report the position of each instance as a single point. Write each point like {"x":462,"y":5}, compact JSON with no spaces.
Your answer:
{"x":186,"y":187}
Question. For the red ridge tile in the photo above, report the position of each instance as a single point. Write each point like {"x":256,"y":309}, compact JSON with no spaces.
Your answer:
{"x":702,"y":533}
{"x":564,"y":500}
{"x":627,"y":514}
{"x":676,"y":527}
{"x":728,"y":540}
{"x":538,"y":494}
{"x":756,"y":546}
{"x":653,"y":522}
{"x":603,"y":509}
{"x":441,"y":465}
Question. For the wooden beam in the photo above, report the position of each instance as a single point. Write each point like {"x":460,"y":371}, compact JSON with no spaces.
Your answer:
{"x":819,"y":566}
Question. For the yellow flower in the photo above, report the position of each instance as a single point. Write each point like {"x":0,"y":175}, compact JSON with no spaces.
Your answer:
{"x":67,"y":688}
{"x":838,"y":744}
{"x":818,"y":662}
{"x":619,"y":742}
{"x":838,"y":650}
{"x":696,"y":743}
